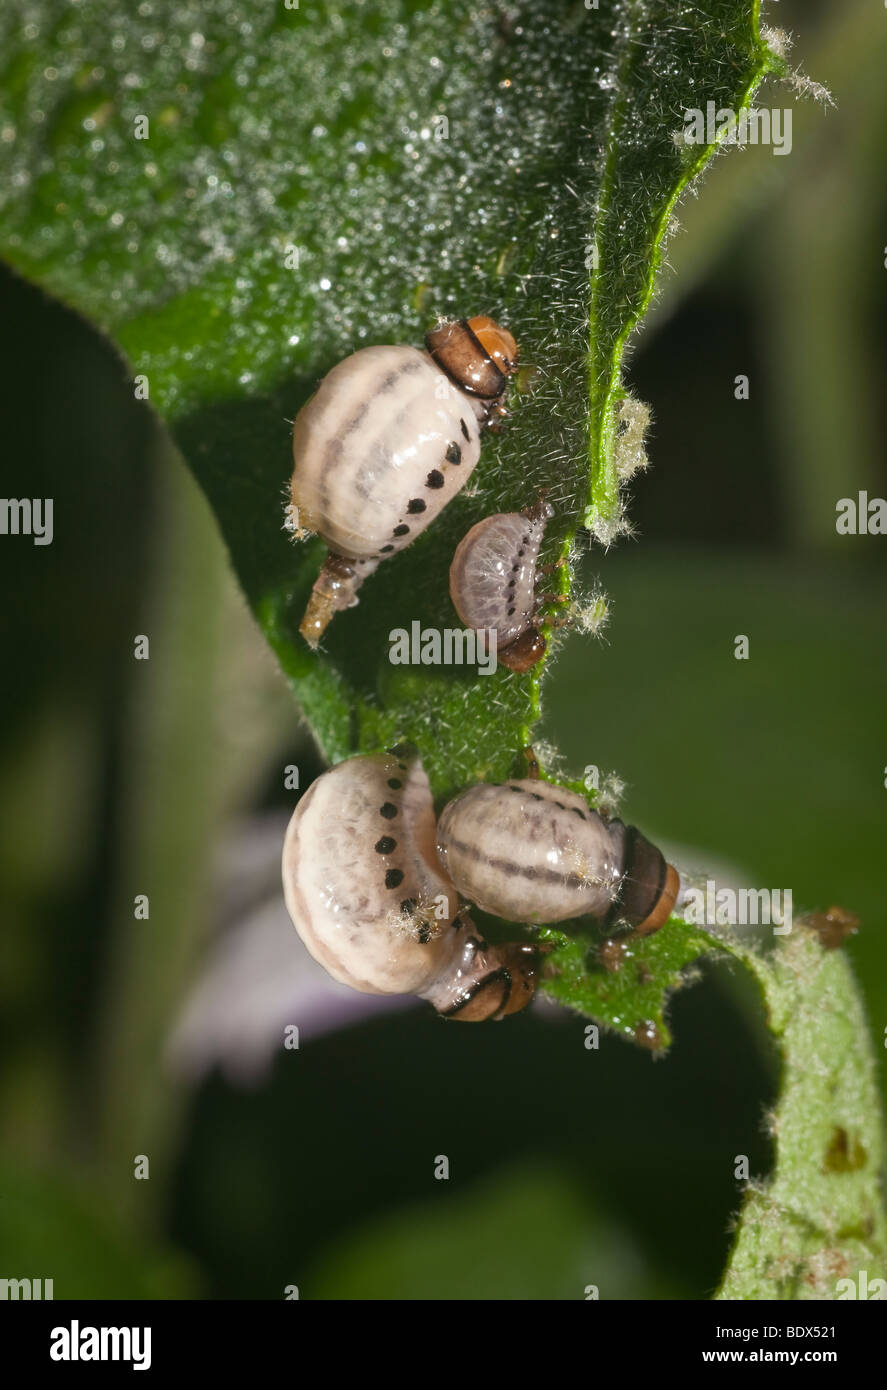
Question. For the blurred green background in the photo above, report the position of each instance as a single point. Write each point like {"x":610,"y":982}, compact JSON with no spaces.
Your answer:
{"x":568,"y":1167}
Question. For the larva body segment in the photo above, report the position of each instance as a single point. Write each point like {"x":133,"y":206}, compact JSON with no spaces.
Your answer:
{"x":533,"y":852}
{"x":359,"y":867}
{"x":382,"y":446}
{"x":493,"y":582}
{"x":387,"y":440}
{"x":367,"y":896}
{"x":528,"y":851}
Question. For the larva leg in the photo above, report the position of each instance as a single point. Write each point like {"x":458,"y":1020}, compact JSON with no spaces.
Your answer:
{"x":532,"y":763}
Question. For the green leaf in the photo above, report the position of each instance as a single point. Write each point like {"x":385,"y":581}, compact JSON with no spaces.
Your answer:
{"x":272,"y":129}
{"x":277,"y":135}
{"x":819,"y":1218}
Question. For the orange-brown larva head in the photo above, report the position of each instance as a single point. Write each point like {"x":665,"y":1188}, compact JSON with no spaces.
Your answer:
{"x":500,"y":980}
{"x":664,"y":905}
{"x":476,"y":354}
{"x":496,"y":341}
{"x":523,"y":654}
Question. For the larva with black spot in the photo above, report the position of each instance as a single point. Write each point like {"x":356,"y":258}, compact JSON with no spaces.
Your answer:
{"x":366,"y":895}
{"x":530,"y":851}
{"x":493,"y":582}
{"x":387,"y":440}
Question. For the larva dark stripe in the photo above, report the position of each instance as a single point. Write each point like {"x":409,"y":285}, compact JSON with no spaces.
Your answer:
{"x":384,"y":388}
{"x":503,"y":974}
{"x":486,"y":359}
{"x":522,"y":791}
{"x":631,"y":836}
{"x":374,"y":446}
{"x":509,"y":866}
{"x":335,"y":451}
{"x":365,"y":481}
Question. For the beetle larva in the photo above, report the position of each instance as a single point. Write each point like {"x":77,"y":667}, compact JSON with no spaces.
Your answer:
{"x":493,"y":582}
{"x":533,"y":852}
{"x":366,"y":895}
{"x":388,"y":438}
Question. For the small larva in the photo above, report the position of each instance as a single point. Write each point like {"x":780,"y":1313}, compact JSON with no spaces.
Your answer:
{"x":533,"y":852}
{"x":493,"y":582}
{"x":367,"y":897}
{"x":388,"y":438}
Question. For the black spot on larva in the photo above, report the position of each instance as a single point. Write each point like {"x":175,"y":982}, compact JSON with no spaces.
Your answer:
{"x":416,"y":504}
{"x":520,"y":554}
{"x":526,"y":542}
{"x":394,"y":878}
{"x":424,"y":936}
{"x":385,"y":845}
{"x":401,"y":530}
{"x":465,"y":433}
{"x":576,"y":812}
{"x":536,"y":796}
{"x":402,"y":766}
{"x":435,"y":478}
{"x":395,"y":783}
{"x":560,"y":805}
{"x":511,"y":612}
{"x":389,"y":810}
{"x":515,"y":568}
{"x":399,"y":750}
{"x":385,"y":549}
{"x":454,"y":453}
{"x":511,"y":583}
{"x":408,"y":907}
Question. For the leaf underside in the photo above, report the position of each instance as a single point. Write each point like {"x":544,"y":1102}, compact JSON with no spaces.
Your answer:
{"x":312,"y":135}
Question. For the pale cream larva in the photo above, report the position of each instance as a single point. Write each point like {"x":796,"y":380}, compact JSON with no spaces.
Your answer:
{"x":493,"y":582}
{"x":388,"y":438}
{"x":366,"y":895}
{"x":530,"y":851}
